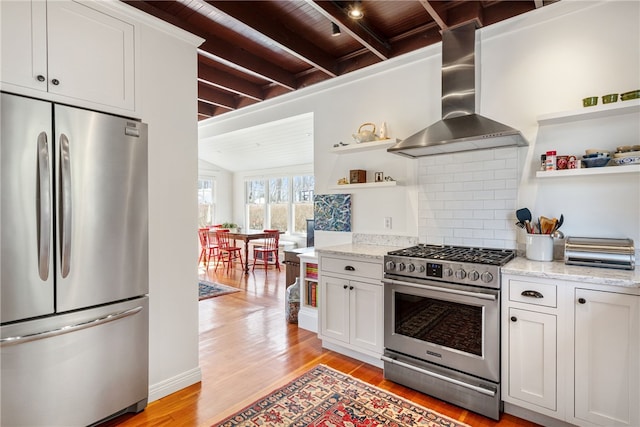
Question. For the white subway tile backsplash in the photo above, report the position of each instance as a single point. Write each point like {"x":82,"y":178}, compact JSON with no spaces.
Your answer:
{"x":469,"y":198}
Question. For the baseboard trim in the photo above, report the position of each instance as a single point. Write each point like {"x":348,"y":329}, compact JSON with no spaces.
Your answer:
{"x":171,"y":385}
{"x":363,"y":357}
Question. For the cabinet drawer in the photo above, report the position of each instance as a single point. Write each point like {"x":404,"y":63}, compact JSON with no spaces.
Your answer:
{"x":350,"y":267}
{"x":532,"y":293}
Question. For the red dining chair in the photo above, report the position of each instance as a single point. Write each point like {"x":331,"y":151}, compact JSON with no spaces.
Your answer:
{"x":207,"y":248}
{"x":261,"y":254}
{"x":226,"y":252}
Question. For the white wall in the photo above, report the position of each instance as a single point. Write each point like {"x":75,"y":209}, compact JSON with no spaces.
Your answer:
{"x":544,"y":61}
{"x":223,"y":191}
{"x":171,"y":112}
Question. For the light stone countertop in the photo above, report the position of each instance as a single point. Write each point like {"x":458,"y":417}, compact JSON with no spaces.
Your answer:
{"x":357,"y":249}
{"x":559,"y":270}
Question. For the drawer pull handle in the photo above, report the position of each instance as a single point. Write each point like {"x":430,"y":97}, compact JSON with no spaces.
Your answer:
{"x":532,"y":294}
{"x":349,"y":268}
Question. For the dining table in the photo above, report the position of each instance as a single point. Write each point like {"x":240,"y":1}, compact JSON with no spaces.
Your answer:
{"x":245,"y":236}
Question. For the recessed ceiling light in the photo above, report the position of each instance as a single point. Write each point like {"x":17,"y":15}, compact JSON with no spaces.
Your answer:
{"x":355,"y":10}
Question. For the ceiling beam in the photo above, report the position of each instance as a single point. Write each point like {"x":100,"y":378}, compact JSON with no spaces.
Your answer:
{"x":224,"y":81}
{"x":212,"y":96}
{"x":435,"y":15}
{"x":277,"y":31}
{"x":222,"y":51}
{"x":356,"y":29}
{"x":231,"y":56}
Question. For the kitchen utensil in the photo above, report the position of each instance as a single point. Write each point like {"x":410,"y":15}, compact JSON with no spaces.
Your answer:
{"x":547,"y":225}
{"x":557,"y":234}
{"x":523,"y":215}
{"x":520,"y":225}
{"x":560,"y":222}
{"x":365,"y":135}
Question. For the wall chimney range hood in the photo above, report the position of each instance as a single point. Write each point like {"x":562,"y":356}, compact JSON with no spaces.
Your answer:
{"x":460,"y":129}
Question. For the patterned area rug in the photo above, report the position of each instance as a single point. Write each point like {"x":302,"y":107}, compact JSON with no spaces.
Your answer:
{"x":326,"y":397}
{"x":210,"y":290}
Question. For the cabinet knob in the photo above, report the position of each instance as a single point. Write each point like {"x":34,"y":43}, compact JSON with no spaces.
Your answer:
{"x":55,"y":82}
{"x":344,"y":287}
{"x":40,"y":78}
{"x":349,"y":268}
{"x":514,"y":319}
{"x":350,"y":288}
{"x":582,"y":300}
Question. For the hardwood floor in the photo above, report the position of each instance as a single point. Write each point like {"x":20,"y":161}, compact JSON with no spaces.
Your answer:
{"x":247,"y":349}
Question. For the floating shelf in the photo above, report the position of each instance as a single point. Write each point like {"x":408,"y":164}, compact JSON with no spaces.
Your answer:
{"x":364,"y":146}
{"x":588,"y":113}
{"x":364,"y":185}
{"x":606,"y":170}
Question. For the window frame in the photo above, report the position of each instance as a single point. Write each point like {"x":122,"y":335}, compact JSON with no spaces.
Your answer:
{"x":266,"y":180}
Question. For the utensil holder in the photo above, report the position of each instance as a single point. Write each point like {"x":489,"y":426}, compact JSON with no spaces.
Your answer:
{"x":539,"y":247}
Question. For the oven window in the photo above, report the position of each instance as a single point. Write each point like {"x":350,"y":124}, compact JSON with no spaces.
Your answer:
{"x":449,"y":324}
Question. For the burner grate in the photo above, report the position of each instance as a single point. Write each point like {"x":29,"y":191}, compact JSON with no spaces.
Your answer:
{"x":458,"y":254}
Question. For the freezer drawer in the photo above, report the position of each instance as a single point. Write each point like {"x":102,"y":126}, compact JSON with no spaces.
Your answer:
{"x":56,"y":378}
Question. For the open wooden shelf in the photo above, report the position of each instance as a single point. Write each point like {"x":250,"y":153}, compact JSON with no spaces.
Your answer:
{"x":364,"y":185}
{"x":605,"y":170}
{"x":364,"y":146}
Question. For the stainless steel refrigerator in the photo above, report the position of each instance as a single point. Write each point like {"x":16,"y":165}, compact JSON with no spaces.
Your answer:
{"x":73,"y":264}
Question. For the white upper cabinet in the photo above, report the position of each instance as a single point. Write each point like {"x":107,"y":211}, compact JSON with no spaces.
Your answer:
{"x":69,"y":50}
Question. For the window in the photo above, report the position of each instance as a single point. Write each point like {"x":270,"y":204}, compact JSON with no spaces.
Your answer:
{"x":302,"y":202}
{"x":255,"y":201}
{"x":282,"y":203}
{"x":206,"y":205}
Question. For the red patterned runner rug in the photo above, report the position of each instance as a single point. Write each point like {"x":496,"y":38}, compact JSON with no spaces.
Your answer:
{"x":329,"y":398}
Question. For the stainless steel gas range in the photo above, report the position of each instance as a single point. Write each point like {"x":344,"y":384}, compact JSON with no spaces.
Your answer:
{"x":442,"y":323}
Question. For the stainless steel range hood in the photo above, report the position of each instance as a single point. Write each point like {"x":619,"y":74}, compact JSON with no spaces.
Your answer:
{"x":460,"y":129}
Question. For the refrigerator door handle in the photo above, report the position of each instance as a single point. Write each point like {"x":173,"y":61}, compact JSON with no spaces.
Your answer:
{"x":43,"y":197}
{"x":65,"y":200}
{"x":70,"y":328}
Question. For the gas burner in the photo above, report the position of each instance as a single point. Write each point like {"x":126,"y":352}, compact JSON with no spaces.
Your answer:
{"x":487,"y":256}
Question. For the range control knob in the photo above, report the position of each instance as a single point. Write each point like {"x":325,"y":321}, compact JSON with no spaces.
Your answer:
{"x":474,"y":275}
{"x":447,"y":272}
{"x":401,"y":266}
{"x":487,"y":277}
{"x":390,"y":265}
{"x":421,"y":268}
{"x":411,"y":268}
{"x":461,"y":274}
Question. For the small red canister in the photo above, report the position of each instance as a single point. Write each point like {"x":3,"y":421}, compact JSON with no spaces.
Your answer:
{"x":562,"y":162}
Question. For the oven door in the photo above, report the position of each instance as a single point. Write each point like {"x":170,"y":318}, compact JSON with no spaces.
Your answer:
{"x":454,"y":326}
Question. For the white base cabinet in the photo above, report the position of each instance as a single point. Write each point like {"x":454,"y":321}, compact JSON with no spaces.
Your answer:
{"x":571,"y":351}
{"x":351,"y":304}
{"x":68,"y":51}
{"x":607,"y":359}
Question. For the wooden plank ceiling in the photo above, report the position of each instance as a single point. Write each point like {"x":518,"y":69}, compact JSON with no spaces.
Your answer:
{"x":257,"y":50}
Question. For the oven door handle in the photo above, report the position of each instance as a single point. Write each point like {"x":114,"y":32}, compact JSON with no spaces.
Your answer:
{"x":489,"y":297}
{"x":473,"y":387}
